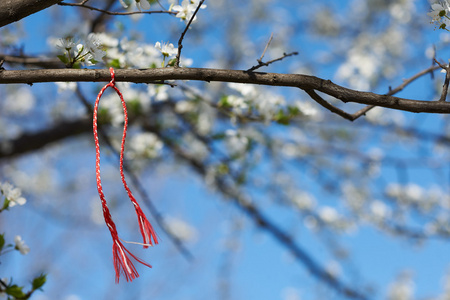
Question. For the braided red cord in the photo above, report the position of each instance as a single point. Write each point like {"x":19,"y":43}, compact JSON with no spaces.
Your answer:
{"x":122,"y":263}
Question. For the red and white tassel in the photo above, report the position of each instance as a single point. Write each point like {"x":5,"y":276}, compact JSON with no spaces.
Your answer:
{"x":122,"y":263}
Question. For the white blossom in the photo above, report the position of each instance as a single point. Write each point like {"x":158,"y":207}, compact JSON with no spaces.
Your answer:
{"x":236,"y":142}
{"x":158,"y":92}
{"x":20,"y":102}
{"x":290,"y":293}
{"x":90,"y":51}
{"x":196,"y":148}
{"x":134,"y":54}
{"x":145,"y":145}
{"x":247,"y":90}
{"x":14,"y":195}
{"x":238,"y":104}
{"x":402,"y":288}
{"x":142,"y":5}
{"x":107,"y":40}
{"x":380,"y":210}
{"x":181,"y":229}
{"x":328,"y":214}
{"x":308,"y":109}
{"x":333,"y":268}
{"x":167,"y":49}
{"x":304,"y":201}
{"x":123,"y":4}
{"x":66,"y":43}
{"x":184,"y":106}
{"x":436,"y":10}
{"x":94,"y":47}
{"x":66,"y":86}
{"x":20,"y":245}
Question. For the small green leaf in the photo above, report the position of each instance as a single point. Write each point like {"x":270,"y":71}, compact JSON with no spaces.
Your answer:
{"x":5,"y":204}
{"x":15,"y":291}
{"x":293,"y":110}
{"x":115,"y":63}
{"x":218,"y":136}
{"x":39,"y":281}
{"x":134,"y":106}
{"x":242,"y":178}
{"x":281,"y":118}
{"x":171,"y":62}
{"x":63,"y":58}
{"x":2,"y":241}
{"x":223,"y":169}
{"x":223,"y":102}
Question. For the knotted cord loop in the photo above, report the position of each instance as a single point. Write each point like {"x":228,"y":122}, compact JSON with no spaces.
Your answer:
{"x":122,"y":263}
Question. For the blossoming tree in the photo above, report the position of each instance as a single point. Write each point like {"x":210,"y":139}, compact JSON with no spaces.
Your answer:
{"x":295,"y":118}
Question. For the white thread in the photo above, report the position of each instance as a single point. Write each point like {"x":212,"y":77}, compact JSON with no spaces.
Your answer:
{"x":123,"y":241}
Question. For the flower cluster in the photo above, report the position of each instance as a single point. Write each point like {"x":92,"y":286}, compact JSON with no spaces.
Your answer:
{"x":145,"y":145}
{"x":236,"y":142}
{"x":140,"y":4}
{"x":13,"y":196}
{"x":186,"y":9}
{"x":87,"y":53}
{"x":440,"y":14}
{"x":248,"y":99}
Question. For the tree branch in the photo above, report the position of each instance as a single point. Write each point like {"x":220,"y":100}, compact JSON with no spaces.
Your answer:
{"x":114,"y":13}
{"x":36,"y":140}
{"x":35,"y":61}
{"x":338,"y":111}
{"x":304,"y":82}
{"x":14,"y":10}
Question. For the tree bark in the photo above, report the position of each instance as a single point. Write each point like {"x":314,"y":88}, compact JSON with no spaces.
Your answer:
{"x":15,"y":10}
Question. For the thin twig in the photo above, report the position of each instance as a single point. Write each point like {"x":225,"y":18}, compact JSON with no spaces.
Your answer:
{"x":446,"y":81}
{"x":113,"y":13}
{"x":329,"y":106}
{"x":262,"y":64}
{"x":411,"y":79}
{"x":180,"y":41}
{"x":265,"y":48}
{"x":397,"y":89}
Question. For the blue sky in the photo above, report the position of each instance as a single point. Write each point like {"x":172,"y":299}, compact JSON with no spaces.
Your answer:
{"x":77,"y":254}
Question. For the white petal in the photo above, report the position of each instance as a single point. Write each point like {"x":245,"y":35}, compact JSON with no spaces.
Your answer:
{"x":145,"y":5}
{"x":123,"y":4}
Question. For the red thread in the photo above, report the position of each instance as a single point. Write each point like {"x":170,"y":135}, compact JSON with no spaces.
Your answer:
{"x":122,"y":263}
